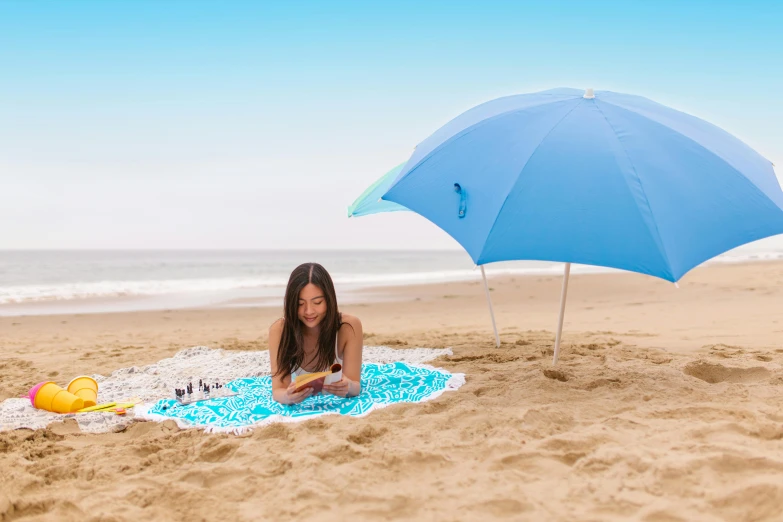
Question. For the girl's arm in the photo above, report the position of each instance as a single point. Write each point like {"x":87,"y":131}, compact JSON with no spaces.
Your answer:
{"x":350,"y":385}
{"x":282,"y":387}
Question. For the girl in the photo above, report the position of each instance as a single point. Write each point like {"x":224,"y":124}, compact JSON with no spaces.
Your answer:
{"x":313,"y":335}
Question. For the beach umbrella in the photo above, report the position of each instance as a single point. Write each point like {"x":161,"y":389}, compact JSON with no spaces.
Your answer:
{"x":597,"y":178}
{"x":370,"y":202}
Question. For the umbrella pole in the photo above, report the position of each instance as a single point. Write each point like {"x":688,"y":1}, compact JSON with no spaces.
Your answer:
{"x":489,"y":301}
{"x":562,"y":312}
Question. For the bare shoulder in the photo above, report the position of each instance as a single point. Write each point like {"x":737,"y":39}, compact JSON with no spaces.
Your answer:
{"x":352,"y":321}
{"x":351,"y":328}
{"x":276,"y":328}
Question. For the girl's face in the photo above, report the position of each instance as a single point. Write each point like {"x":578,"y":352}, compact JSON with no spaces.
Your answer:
{"x":312,"y":306}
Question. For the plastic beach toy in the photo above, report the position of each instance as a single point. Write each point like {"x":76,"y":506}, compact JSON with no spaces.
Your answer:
{"x":86,"y":388}
{"x":51,"y":397}
{"x":34,"y":390}
{"x":98,"y":407}
{"x":112,"y":407}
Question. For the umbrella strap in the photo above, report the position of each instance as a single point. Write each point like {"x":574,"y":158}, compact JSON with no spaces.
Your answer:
{"x":462,"y":200}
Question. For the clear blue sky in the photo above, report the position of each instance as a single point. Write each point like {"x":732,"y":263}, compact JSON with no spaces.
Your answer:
{"x":228,"y":124}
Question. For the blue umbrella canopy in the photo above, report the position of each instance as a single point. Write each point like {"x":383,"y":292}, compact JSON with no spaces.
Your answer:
{"x":370,"y":202}
{"x":597,"y":178}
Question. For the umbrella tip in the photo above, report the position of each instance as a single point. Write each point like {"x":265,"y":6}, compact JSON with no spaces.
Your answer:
{"x":589,"y":94}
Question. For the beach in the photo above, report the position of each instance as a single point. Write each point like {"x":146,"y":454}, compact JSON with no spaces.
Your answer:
{"x":666,"y":405}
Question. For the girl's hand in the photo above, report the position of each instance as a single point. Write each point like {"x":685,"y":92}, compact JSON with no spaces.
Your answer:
{"x":294,"y":397}
{"x":343,"y":388}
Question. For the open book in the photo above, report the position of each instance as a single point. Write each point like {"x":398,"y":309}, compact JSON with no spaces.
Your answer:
{"x":316,"y":381}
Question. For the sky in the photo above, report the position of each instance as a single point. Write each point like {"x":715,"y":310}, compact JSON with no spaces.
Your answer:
{"x":239,"y":124}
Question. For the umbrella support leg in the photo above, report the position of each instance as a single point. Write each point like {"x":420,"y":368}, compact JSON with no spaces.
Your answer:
{"x":562,"y":312}
{"x":491,"y":312}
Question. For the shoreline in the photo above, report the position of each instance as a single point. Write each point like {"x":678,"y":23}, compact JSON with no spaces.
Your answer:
{"x":349,"y":295}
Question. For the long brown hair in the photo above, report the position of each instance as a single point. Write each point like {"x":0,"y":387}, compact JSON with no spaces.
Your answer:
{"x":290,"y":353}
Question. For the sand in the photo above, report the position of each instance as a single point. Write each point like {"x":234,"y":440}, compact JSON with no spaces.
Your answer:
{"x":666,"y":405}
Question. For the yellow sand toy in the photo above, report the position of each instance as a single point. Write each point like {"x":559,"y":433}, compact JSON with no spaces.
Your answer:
{"x":118,"y":408}
{"x":86,"y":388}
{"x":81,"y":396}
{"x":48,"y":396}
{"x":81,"y":392}
{"x":99,"y":407}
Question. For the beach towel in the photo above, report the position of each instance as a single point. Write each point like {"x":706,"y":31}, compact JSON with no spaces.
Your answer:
{"x":157,"y":381}
{"x":382,"y":385}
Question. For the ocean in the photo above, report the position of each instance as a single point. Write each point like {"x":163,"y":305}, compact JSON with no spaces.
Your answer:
{"x":87,"y":281}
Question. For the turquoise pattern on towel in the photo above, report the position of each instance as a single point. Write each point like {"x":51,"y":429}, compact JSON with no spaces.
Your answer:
{"x":382,"y":384}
